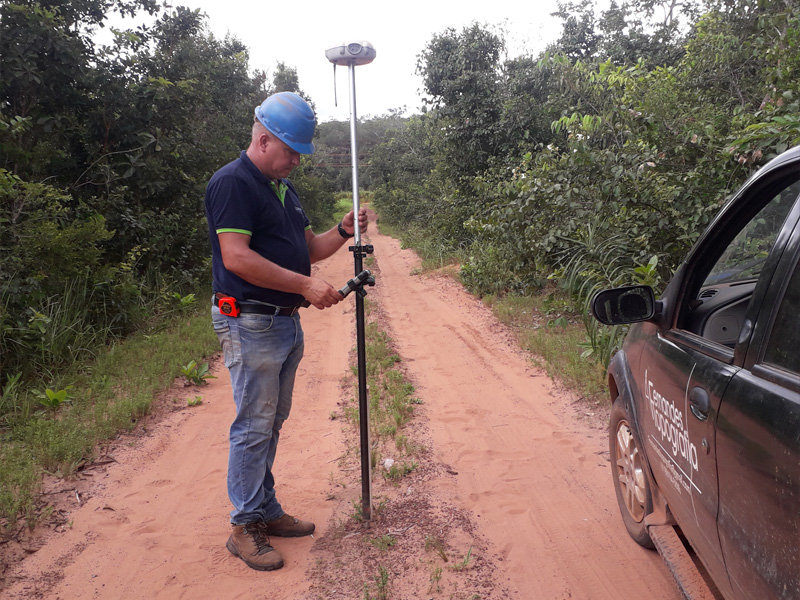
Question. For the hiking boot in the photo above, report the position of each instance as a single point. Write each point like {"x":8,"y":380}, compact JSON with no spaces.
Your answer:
{"x":288,"y":526}
{"x":250,"y":542}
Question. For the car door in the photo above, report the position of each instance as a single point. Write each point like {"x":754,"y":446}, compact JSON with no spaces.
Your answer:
{"x":758,"y":448}
{"x":679,"y":443}
{"x":687,"y":366}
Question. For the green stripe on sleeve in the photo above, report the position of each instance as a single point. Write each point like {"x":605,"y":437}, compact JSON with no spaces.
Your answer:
{"x":244,"y":231}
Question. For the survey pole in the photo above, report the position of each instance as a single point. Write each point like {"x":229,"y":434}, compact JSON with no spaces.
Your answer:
{"x":352,"y":55}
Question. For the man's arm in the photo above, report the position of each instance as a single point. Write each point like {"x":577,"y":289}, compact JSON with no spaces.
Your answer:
{"x":238,"y":258}
{"x":325,"y":244}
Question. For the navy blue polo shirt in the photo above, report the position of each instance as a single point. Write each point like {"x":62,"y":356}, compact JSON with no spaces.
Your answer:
{"x":240,"y":198}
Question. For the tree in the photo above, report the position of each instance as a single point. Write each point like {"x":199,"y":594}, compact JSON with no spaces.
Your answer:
{"x":461,"y":74}
{"x":104,"y":158}
{"x":578,"y":39}
{"x":285,"y":79}
{"x":626,"y":32}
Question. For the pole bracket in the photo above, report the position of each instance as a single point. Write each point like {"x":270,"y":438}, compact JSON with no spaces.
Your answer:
{"x":361,"y":250}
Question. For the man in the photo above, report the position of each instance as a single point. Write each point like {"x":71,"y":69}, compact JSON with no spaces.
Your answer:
{"x":262,"y":250}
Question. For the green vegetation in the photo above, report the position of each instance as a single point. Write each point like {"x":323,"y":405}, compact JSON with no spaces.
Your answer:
{"x":597,"y":162}
{"x":105,"y":396}
{"x":384,"y":542}
{"x":546,"y":324}
{"x":332,"y":161}
{"x":464,"y":562}
{"x":396,"y":472}
{"x":435,"y":253}
{"x":104,"y":157}
{"x":391,"y":402}
{"x":435,"y":579}
{"x":196,"y":374}
{"x":344,"y":204}
{"x":381,"y":585}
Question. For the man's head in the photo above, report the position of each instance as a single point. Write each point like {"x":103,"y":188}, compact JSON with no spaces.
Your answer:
{"x":283,"y":127}
{"x":289,"y":118}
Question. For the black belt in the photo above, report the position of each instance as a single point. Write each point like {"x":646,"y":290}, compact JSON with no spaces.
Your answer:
{"x":264,"y":309}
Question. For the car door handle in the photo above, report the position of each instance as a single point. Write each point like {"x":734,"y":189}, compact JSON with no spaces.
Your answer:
{"x":700,"y":404}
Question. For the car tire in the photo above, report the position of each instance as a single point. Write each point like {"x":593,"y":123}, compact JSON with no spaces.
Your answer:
{"x":628,"y":468}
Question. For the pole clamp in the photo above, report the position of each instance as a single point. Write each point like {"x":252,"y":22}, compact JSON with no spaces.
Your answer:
{"x":362,"y":250}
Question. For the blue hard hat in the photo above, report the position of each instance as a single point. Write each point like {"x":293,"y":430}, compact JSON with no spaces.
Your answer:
{"x":290,"y":119}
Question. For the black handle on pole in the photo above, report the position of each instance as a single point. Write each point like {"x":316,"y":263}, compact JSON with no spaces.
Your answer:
{"x":357,"y":283}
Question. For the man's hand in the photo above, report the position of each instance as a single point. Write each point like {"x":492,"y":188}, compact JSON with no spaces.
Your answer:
{"x":348,"y":222}
{"x":320,"y":293}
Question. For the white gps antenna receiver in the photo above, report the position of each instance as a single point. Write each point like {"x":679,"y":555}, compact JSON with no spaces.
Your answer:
{"x":352,"y":55}
{"x":345,"y":55}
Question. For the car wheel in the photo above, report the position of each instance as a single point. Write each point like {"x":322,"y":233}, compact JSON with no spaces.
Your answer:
{"x":628,"y":470}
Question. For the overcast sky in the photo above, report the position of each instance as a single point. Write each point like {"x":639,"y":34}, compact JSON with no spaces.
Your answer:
{"x":298,"y":33}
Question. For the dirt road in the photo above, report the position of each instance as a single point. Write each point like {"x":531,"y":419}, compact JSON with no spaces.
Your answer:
{"x":521,"y":465}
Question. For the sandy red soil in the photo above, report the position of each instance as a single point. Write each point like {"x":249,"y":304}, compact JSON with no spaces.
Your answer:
{"x":520,"y":461}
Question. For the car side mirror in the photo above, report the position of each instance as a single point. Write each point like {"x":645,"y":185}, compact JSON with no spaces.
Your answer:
{"x":620,"y":306}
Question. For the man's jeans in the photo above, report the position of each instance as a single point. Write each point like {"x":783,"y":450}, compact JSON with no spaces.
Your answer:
{"x":262,"y":353}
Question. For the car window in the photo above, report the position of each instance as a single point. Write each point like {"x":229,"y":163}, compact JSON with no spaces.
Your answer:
{"x":716,"y":310}
{"x":782,"y":346}
{"x":744,"y":257}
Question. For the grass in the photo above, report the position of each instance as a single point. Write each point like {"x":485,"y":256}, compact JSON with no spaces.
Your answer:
{"x":107,"y":395}
{"x":435,"y":254}
{"x":19,"y":478}
{"x":436,"y":544}
{"x":384,"y":542}
{"x":547,"y":326}
{"x":435,"y":579}
{"x":344,"y":203}
{"x":391,"y":398}
{"x":464,"y":562}
{"x":395,"y":472}
{"x":392,"y":403}
{"x":381,"y":585}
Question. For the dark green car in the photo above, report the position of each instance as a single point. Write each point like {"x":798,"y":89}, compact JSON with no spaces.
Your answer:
{"x":705,"y":426}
